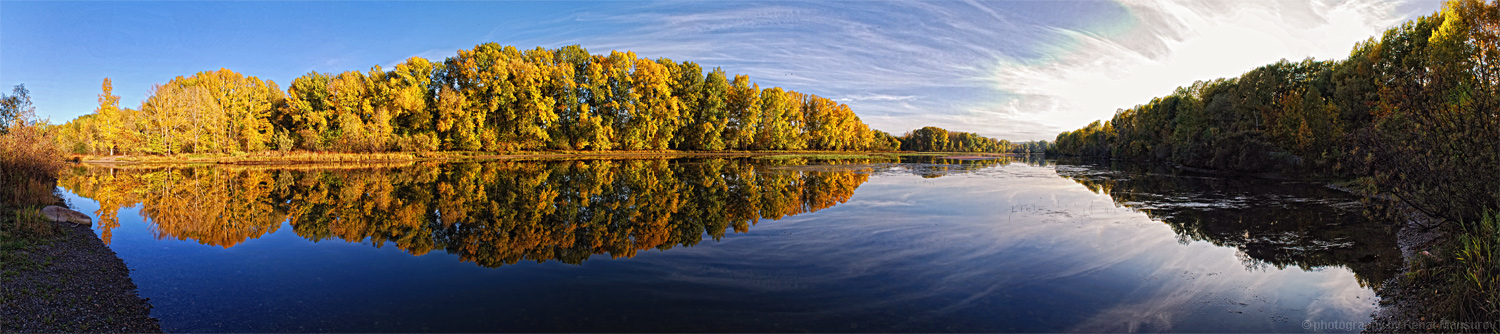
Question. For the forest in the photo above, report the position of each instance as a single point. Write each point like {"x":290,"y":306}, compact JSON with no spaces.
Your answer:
{"x":492,"y":98}
{"x":935,"y":139}
{"x":1413,"y":116}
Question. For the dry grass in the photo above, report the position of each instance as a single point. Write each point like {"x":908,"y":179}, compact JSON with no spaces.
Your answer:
{"x":28,"y":223}
{"x":29,"y":162}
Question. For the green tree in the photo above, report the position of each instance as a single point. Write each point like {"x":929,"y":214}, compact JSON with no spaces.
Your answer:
{"x":743,"y":104}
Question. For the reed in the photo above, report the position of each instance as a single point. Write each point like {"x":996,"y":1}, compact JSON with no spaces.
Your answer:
{"x":1475,"y":276}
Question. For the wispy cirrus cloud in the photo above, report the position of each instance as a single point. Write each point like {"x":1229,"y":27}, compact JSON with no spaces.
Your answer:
{"x":897,"y":64}
{"x":1174,"y":43}
{"x":878,"y":97}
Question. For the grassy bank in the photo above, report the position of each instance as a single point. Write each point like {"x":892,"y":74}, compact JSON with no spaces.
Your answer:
{"x":1474,"y":282}
{"x":1451,"y":282}
{"x":29,"y":163}
{"x":1462,"y":272}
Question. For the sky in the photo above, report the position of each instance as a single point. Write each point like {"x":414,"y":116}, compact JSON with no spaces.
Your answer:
{"x":1017,"y":70}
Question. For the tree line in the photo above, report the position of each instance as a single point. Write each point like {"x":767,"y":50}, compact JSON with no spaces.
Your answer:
{"x":936,"y":139}
{"x":489,"y":98}
{"x":1415,"y":113}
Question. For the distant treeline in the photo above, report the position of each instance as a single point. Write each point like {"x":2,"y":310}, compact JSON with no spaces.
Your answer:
{"x":935,"y":139}
{"x":491,"y":98}
{"x":1415,"y":113}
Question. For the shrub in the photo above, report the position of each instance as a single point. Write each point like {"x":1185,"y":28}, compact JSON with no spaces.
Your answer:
{"x":29,"y":161}
{"x":282,"y":141}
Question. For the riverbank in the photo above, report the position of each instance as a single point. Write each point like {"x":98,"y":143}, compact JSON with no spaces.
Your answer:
{"x":1447,"y":281}
{"x":1432,"y":292}
{"x":59,"y":277}
{"x":1428,"y":294}
{"x":55,"y":277}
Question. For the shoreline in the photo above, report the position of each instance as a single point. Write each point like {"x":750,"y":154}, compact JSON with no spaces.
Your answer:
{"x":72,"y":283}
{"x":1403,"y":303}
{"x":1406,"y":303}
{"x":1403,"y":306}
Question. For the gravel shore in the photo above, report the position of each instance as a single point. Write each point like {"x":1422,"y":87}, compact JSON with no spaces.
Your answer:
{"x":72,"y":284}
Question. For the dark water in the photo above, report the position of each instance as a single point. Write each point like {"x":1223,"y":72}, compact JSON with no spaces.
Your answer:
{"x":922,"y":244}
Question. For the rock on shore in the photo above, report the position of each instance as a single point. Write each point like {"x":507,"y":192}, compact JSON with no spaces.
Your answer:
{"x":61,"y":214}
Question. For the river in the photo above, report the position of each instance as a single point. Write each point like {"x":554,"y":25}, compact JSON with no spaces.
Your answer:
{"x":910,"y":244}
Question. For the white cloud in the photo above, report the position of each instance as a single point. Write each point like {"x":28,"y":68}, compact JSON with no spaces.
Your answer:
{"x":436,"y":55}
{"x":877,"y":97}
{"x":1185,"y":41}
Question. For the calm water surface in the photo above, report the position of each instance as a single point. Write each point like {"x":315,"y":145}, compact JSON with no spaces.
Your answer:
{"x":921,"y":244}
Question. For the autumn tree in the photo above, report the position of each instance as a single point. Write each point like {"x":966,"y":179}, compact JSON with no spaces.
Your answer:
{"x":309,"y":110}
{"x":491,"y":97}
{"x":107,"y":122}
{"x":780,"y":127}
{"x":705,"y":128}
{"x":743,"y":104}
{"x":651,"y":124}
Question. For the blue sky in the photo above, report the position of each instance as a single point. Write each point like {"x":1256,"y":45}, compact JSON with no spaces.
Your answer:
{"x":1018,"y":70}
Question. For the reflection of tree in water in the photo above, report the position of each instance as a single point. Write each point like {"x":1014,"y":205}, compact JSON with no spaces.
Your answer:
{"x":939,"y":166}
{"x":1271,"y":223}
{"x":215,"y":206}
{"x":492,"y":213}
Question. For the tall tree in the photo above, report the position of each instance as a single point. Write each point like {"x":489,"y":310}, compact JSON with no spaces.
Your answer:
{"x":107,"y":119}
{"x":15,"y":108}
{"x":743,"y":104}
{"x":309,"y":110}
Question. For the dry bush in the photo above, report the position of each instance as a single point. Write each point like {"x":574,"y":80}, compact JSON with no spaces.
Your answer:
{"x":29,"y":162}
